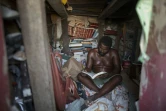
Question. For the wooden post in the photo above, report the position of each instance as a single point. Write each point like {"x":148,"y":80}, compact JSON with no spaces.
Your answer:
{"x":4,"y":79}
{"x":33,"y":23}
{"x":117,"y":40}
{"x":65,"y":37}
{"x":137,"y":51}
{"x":58,"y":7}
{"x":101,"y":29}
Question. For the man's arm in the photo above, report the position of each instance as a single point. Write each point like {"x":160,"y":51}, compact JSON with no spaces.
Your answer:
{"x":116,"y":63}
{"x":89,"y":61}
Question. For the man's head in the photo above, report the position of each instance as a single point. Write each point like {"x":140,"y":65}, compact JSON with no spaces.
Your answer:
{"x":104,"y":45}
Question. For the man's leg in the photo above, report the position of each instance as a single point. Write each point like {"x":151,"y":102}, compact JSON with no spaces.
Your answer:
{"x":88,"y":82}
{"x":108,"y":86}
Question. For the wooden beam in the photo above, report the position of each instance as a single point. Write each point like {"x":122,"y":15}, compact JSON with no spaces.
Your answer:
{"x":33,"y":22}
{"x":4,"y":87}
{"x":78,"y":4}
{"x":101,"y":29}
{"x":87,"y":5}
{"x":112,"y":7}
{"x":87,"y":2}
{"x":118,"y":16}
{"x":84,"y":12}
{"x":9,"y":3}
{"x":117,"y":40}
{"x":107,"y":8}
{"x":58,"y":7}
{"x":65,"y":38}
{"x":88,"y":9}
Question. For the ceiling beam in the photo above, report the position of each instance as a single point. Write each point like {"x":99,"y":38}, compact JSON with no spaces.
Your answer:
{"x":9,"y":3}
{"x":87,"y":5}
{"x":58,"y":7}
{"x":88,"y":10}
{"x":112,"y":7}
{"x":118,"y":16}
{"x":87,"y":2}
{"x":84,"y":13}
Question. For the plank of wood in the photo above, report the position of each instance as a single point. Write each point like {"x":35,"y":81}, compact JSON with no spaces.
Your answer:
{"x":117,"y":40}
{"x":112,"y":7}
{"x":101,"y":29}
{"x":86,"y":2}
{"x":58,"y":7}
{"x":65,"y":38}
{"x":4,"y":79}
{"x":33,"y":22}
{"x":9,"y":3}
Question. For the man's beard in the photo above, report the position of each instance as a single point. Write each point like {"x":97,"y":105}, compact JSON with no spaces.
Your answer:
{"x":101,"y":54}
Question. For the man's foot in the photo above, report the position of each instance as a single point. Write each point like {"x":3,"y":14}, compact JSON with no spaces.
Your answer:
{"x":88,"y":102}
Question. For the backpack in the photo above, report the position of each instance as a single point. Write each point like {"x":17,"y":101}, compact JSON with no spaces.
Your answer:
{"x":65,"y":90}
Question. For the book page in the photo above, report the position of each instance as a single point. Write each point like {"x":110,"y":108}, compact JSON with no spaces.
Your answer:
{"x":91,"y":74}
{"x":94,"y":75}
{"x":100,"y":73}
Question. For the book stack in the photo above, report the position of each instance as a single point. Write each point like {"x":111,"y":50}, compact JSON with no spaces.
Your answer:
{"x":80,"y":48}
{"x":110,"y":32}
{"x":79,"y":45}
{"x":93,"y":25}
{"x":75,"y":45}
{"x":80,"y":32}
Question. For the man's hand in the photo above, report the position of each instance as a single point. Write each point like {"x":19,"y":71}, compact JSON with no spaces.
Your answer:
{"x":82,"y":74}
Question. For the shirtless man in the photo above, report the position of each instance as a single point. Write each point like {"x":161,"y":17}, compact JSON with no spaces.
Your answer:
{"x":102,"y":59}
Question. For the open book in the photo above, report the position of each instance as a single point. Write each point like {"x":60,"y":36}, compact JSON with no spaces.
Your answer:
{"x":94,"y":75}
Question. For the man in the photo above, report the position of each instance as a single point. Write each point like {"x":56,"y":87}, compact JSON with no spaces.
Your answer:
{"x":100,"y":59}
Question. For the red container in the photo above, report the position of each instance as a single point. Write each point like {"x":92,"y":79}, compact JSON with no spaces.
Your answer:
{"x":126,"y":64}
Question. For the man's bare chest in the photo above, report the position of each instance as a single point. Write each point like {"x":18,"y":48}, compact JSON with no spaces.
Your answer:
{"x":103,"y":61}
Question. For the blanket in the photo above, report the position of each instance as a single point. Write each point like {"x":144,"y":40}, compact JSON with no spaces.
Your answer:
{"x":116,"y":100}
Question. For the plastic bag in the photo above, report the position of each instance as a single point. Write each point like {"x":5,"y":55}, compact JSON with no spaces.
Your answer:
{"x":72,"y":68}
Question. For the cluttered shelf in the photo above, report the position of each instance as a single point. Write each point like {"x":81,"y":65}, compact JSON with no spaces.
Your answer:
{"x":83,"y":33}
{"x":80,"y":48}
